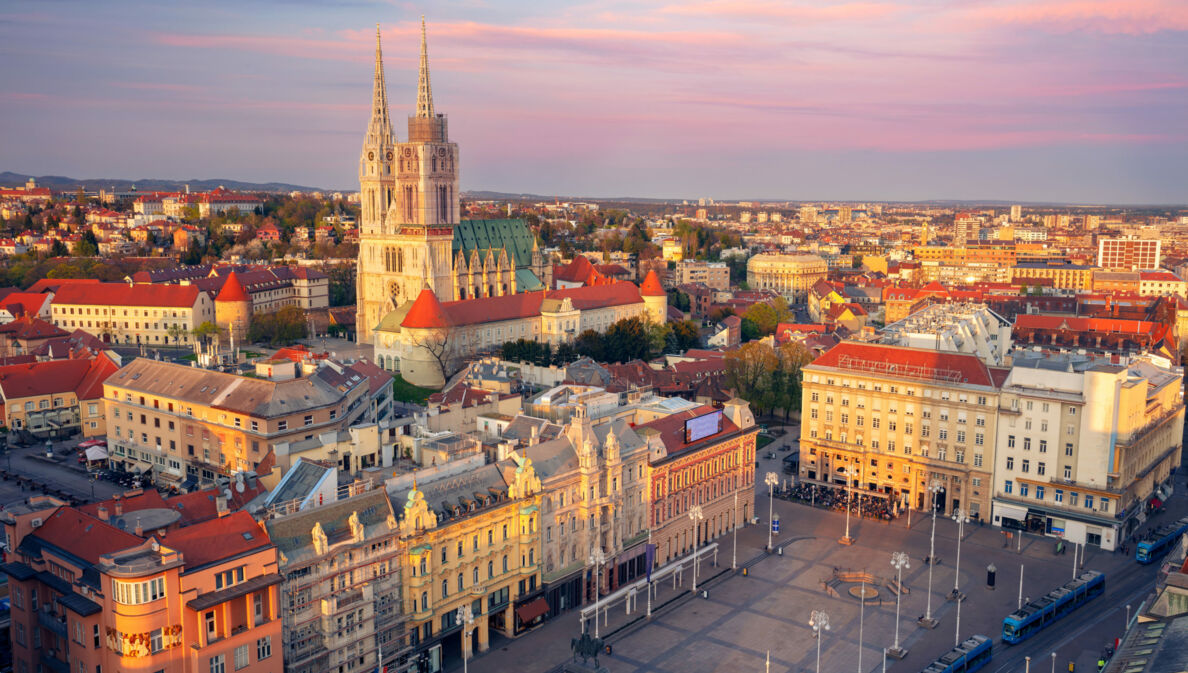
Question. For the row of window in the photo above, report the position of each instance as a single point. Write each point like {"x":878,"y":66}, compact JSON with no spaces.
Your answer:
{"x":1088,"y":500}
{"x":136,"y":593}
{"x":218,"y":663}
{"x":964,"y":398}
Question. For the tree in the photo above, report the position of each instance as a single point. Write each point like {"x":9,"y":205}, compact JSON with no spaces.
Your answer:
{"x":682,"y":336}
{"x":679,"y":300}
{"x":281,"y":327}
{"x":748,"y":370}
{"x":589,"y":344}
{"x":439,"y":344}
{"x":768,"y":315}
{"x":205,"y":332}
{"x":175,"y":332}
{"x":749,"y":331}
{"x":87,"y":245}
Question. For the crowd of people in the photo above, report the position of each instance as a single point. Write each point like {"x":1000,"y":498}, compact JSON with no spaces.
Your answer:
{"x":835,"y":497}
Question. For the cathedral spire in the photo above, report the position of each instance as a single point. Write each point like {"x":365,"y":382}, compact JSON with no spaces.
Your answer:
{"x":379,"y":130}
{"x":424,"y":91}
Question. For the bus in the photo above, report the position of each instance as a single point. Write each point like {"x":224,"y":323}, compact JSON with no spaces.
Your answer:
{"x":1158,"y":542}
{"x":1039,"y":613}
{"x":969,"y":656}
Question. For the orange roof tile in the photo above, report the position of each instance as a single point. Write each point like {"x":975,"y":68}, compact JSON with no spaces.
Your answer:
{"x":232,"y":290}
{"x":123,"y":294}
{"x":426,"y":312}
{"x":651,"y":286}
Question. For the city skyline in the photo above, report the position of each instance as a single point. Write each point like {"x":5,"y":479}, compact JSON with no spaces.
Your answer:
{"x":1048,"y":102}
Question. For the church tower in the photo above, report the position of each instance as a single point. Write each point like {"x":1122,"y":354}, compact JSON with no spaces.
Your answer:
{"x":412,"y":246}
{"x":377,"y":185}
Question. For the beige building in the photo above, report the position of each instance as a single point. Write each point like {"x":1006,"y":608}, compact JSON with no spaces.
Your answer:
{"x":789,"y":275}
{"x":341,"y":564}
{"x":890,"y":420}
{"x":715,"y":275}
{"x":1083,"y":444}
{"x":128,"y":313}
{"x":1062,"y":275}
{"x":186,"y":423}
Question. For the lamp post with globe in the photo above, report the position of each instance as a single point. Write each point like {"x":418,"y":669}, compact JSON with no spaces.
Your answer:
{"x":934,"y":487}
{"x":962,"y":518}
{"x":466,"y":619}
{"x":819,"y":621}
{"x":899,"y":561}
{"x":851,"y":473}
{"x":696,"y":516}
{"x":597,"y":558}
{"x":771,"y":480}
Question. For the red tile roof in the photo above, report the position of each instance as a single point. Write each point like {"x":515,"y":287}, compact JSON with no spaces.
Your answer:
{"x":232,"y":290}
{"x":83,"y":535}
{"x":915,"y":363}
{"x":84,"y":377}
{"x":217,"y":539}
{"x":123,"y":294}
{"x":576,"y":271}
{"x":426,"y":312}
{"x":55,"y":283}
{"x":24,"y":303}
{"x":651,"y":286}
{"x":26,"y":328}
{"x":672,"y":429}
{"x":1109,"y":325}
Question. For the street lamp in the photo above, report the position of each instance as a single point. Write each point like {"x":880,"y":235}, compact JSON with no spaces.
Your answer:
{"x":899,"y":561}
{"x":819,"y":620}
{"x":962,"y":518}
{"x":934,"y":487}
{"x":696,"y":517}
{"x":734,"y":555}
{"x":597,"y":558}
{"x":771,"y":480}
{"x":466,"y":619}
{"x":850,"y":473}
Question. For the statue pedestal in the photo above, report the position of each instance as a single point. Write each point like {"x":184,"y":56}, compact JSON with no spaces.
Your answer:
{"x":579,"y":667}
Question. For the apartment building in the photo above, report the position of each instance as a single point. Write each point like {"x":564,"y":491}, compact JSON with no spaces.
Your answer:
{"x":341,"y":563}
{"x":471,"y":541}
{"x":140,"y":590}
{"x":1084,"y":443}
{"x":188,"y":424}
{"x":594,"y":480}
{"x":126,"y":313}
{"x":56,"y":398}
{"x":789,"y":275}
{"x":1061,"y":275}
{"x":1129,"y":254}
{"x":714,"y":275}
{"x":699,"y":458}
{"x":890,"y":421}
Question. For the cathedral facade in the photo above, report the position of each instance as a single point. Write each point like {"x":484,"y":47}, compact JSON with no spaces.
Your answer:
{"x":411,"y":235}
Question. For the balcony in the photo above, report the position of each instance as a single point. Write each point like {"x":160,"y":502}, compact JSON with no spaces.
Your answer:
{"x":52,"y":621}
{"x":50,"y":660}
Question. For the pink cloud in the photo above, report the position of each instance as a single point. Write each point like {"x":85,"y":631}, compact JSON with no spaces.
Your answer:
{"x":171,"y":87}
{"x":802,"y":13}
{"x":1129,"y":17}
{"x":339,"y":50}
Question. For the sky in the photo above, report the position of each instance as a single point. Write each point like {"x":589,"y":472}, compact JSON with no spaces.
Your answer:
{"x":1077,"y":101}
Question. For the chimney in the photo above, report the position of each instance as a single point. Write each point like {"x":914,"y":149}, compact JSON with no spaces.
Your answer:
{"x":139,"y":529}
{"x":532,"y":436}
{"x":119,"y":505}
{"x":103,"y":515}
{"x":221,"y":506}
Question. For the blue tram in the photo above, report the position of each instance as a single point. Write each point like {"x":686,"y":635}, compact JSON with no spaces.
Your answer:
{"x":972,"y":654}
{"x":1158,"y":542}
{"x":1024,"y":622}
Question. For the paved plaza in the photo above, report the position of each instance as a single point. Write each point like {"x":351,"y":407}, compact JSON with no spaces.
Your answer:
{"x":745,"y":617}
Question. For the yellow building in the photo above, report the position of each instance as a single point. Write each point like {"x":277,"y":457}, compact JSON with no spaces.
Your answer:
{"x":1063,"y":275}
{"x":892,"y":420}
{"x":126,"y":313}
{"x":789,"y":275}
{"x":473,"y":542}
{"x":56,"y":398}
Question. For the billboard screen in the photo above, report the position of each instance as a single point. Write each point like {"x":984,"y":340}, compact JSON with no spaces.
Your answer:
{"x":703,"y":426}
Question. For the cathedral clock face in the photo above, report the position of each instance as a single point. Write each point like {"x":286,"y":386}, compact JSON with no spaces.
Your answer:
{"x":371,"y":156}
{"x":389,"y":155}
{"x":441,"y":152}
{"x":407,"y":152}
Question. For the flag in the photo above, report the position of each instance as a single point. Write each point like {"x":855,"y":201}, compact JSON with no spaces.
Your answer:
{"x":650,"y":554}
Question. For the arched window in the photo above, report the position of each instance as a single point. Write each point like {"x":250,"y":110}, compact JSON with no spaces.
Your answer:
{"x":490,"y":569}
{"x":476,"y":577}
{"x":424,"y":600}
{"x":400,"y":260}
{"x":445,"y":588}
{"x":424,"y":565}
{"x":460,"y":585}
{"x":505,"y":563}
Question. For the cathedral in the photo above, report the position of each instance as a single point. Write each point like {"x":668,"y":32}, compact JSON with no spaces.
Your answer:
{"x":411,"y":235}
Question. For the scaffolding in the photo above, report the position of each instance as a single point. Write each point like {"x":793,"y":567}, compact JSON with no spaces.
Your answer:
{"x":921,"y":372}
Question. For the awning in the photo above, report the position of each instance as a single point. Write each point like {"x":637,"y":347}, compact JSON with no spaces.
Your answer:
{"x":532,"y":610}
{"x":1156,"y":502}
{"x":1010,"y":511}
{"x":96,"y":453}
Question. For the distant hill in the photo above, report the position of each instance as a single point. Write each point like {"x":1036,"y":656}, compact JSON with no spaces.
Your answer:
{"x":59,"y":183}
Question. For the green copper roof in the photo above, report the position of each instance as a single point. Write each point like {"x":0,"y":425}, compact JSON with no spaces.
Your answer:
{"x":526,"y":281}
{"x":391,"y":321}
{"x":482,"y":235}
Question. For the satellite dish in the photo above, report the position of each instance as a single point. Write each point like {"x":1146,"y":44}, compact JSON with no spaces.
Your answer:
{"x":239,"y":487}
{"x":239,"y":477}
{"x":227,"y":492}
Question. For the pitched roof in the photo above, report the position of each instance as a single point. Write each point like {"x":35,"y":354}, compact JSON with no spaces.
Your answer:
{"x":56,"y":376}
{"x":426,"y":312}
{"x":232,"y":290}
{"x":27,"y":327}
{"x":218,"y":539}
{"x":82,"y":535}
{"x":125,"y":294}
{"x":577,"y":271}
{"x":671,"y":429}
{"x":24,"y":303}
{"x":913,"y":363}
{"x":651,"y":286}
{"x":512,"y":235}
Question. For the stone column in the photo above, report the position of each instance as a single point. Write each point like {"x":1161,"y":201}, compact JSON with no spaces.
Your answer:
{"x":483,"y":634}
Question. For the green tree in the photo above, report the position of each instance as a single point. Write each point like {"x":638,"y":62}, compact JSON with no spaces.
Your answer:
{"x":280,"y":328}
{"x":205,"y":332}
{"x":58,"y":249}
{"x":87,"y":245}
{"x":679,"y":300}
{"x":682,"y":336}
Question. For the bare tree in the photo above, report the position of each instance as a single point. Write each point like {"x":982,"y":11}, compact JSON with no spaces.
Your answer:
{"x":439,"y":343}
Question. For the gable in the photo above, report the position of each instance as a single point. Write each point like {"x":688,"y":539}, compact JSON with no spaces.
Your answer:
{"x":483,"y":235}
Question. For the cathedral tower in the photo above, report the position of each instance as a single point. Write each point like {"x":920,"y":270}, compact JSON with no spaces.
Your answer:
{"x":408,"y":245}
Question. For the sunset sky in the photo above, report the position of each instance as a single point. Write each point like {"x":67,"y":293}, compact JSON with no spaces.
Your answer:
{"x":1032,"y":100}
